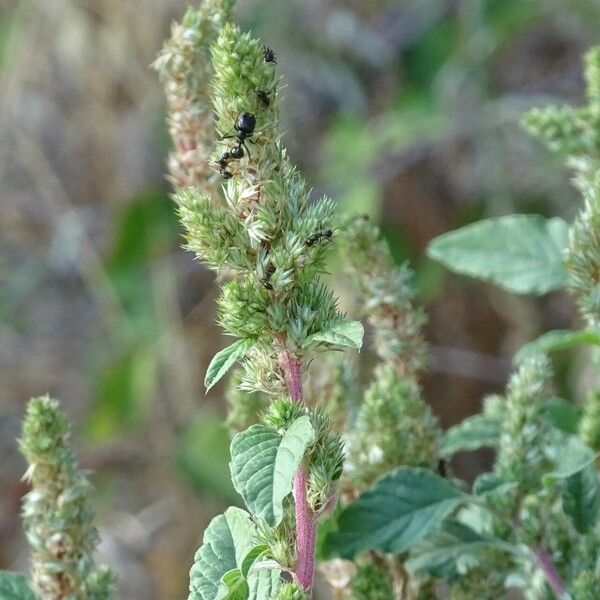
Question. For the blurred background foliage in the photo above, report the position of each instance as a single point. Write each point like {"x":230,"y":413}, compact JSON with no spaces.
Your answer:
{"x":408,"y":111}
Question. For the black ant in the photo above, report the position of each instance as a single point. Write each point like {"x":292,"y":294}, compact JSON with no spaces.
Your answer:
{"x":244,"y":129}
{"x":263,"y":98}
{"x":269,"y":55}
{"x":223,"y":163}
{"x":236,"y":152}
{"x":315,"y":237}
{"x":266,"y":280}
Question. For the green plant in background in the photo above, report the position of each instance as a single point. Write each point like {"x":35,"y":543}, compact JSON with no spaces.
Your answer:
{"x":57,"y":516}
{"x":400,"y":525}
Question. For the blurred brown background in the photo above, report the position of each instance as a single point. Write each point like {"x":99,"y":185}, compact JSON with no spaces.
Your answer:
{"x":407,"y":110}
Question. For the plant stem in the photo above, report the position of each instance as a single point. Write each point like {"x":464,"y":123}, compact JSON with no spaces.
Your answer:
{"x":552,"y":576}
{"x":293,"y":375}
{"x":306,"y":520}
{"x":306,"y":531}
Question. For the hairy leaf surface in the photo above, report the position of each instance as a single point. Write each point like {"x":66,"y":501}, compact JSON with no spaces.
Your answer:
{"x":399,"y":509}
{"x":263,"y":464}
{"x":225,"y":557}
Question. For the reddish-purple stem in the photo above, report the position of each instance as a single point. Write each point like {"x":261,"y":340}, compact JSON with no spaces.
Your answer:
{"x":552,"y":576}
{"x":306,"y":532}
{"x":306,"y":520}
{"x":292,"y":370}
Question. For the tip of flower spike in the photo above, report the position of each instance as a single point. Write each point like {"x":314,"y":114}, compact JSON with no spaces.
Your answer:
{"x":44,"y":427}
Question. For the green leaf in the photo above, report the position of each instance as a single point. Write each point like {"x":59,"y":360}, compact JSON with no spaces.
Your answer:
{"x":563,"y":415}
{"x":520,"y":253}
{"x":581,"y":499}
{"x":343,"y":333}
{"x":398,"y":510}
{"x":474,"y":432}
{"x":124,"y":389}
{"x":263,"y":464}
{"x":202,"y":456}
{"x":14,"y":586}
{"x":146,"y":231}
{"x":146,"y":225}
{"x":217,"y":572}
{"x":450,"y":550}
{"x":560,"y":339}
{"x":257,"y":552}
{"x":488,"y":483}
{"x":227,"y":540}
{"x":570,"y":458}
{"x":236,"y":584}
{"x":223,"y":361}
{"x":264,"y":584}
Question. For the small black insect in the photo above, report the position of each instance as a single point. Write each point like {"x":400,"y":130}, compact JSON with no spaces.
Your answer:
{"x":263,"y":98}
{"x":266,"y":280}
{"x":223,"y":163}
{"x":315,"y":237}
{"x":244,"y":128}
{"x":224,"y":159}
{"x":269,"y":55}
{"x":236,"y":152}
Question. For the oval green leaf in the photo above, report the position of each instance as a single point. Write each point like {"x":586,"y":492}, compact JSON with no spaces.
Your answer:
{"x":478,"y":431}
{"x":563,"y":415}
{"x":398,"y":510}
{"x":223,"y":361}
{"x":263,"y":464}
{"x":348,"y":334}
{"x":520,"y":253}
{"x":219,"y":564}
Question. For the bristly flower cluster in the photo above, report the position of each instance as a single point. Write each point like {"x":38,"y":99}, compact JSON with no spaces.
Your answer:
{"x":184,"y":69}
{"x":575,"y":134}
{"x":393,"y":425}
{"x":386,"y":295}
{"x":57,"y":513}
{"x":260,"y":231}
{"x":583,"y":255}
{"x":520,"y":455}
{"x":263,"y":231}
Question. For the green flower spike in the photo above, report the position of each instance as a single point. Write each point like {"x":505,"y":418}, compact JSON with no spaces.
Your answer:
{"x":57,"y":513}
